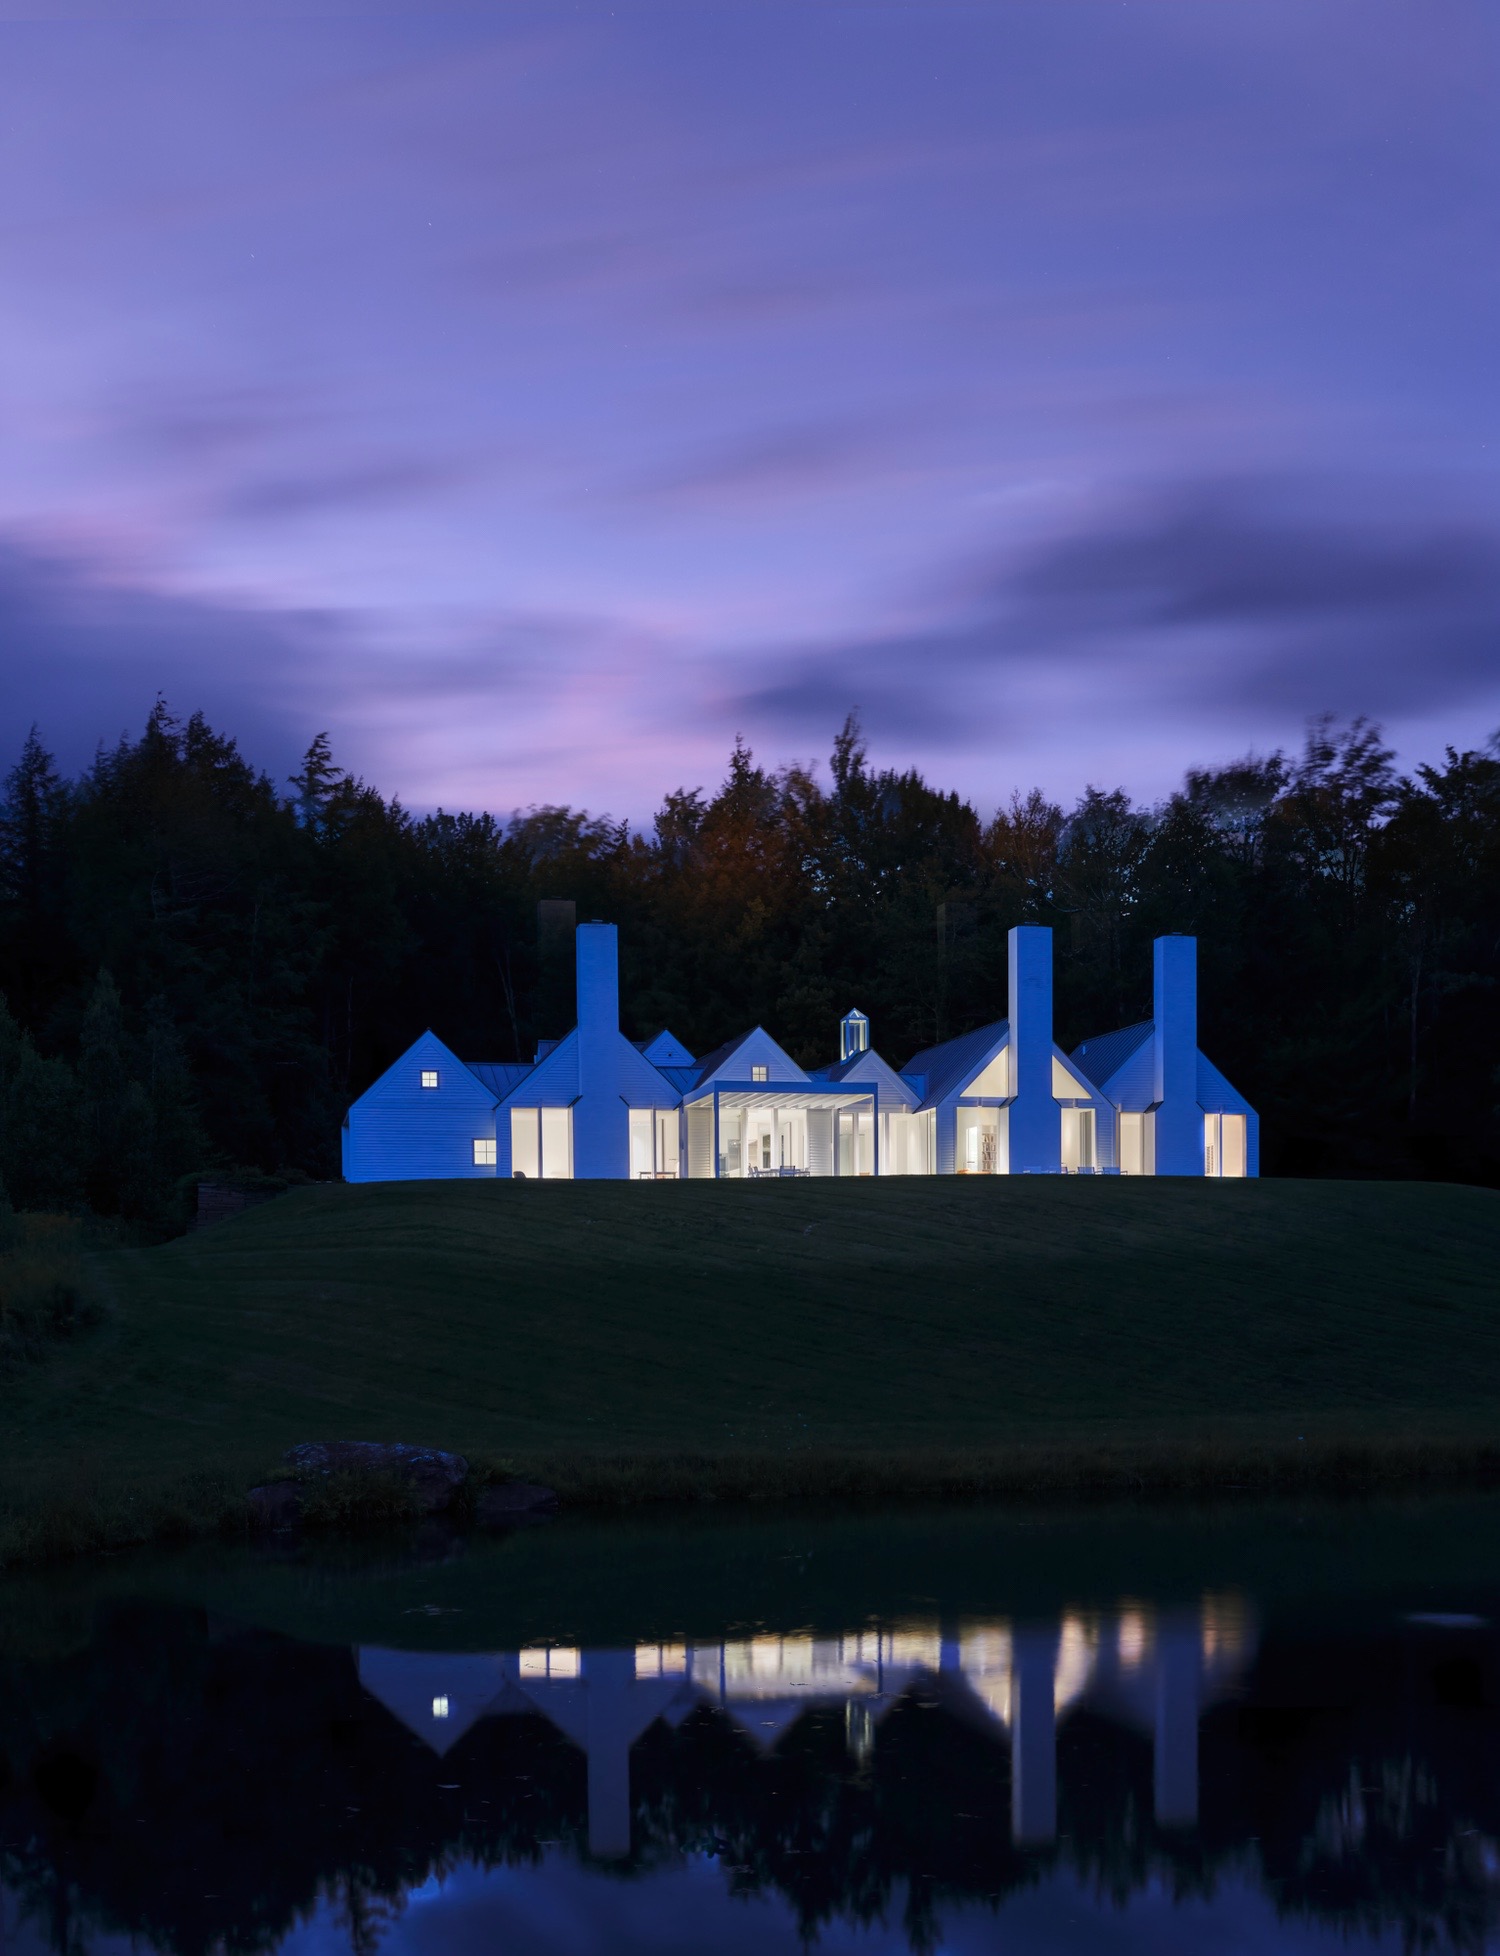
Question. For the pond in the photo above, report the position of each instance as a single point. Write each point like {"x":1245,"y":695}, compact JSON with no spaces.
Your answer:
{"x":1247,"y":1727}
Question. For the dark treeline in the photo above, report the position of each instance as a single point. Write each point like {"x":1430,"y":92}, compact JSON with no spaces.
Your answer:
{"x":201,"y":966}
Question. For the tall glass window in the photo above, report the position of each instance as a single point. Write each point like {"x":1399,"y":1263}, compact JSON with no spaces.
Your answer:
{"x":557,"y":1144}
{"x":541,"y":1143}
{"x":979,"y":1141}
{"x":1077,"y":1138}
{"x":1224,"y":1148}
{"x":525,"y":1144}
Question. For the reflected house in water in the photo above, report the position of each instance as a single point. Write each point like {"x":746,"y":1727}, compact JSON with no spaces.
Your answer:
{"x":1001,"y":1100}
{"x":1014,"y":1683}
{"x":183,"y":1781}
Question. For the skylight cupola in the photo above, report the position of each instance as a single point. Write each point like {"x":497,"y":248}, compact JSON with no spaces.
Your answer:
{"x":854,"y":1035}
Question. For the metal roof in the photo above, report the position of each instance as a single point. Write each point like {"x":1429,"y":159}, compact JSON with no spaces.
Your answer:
{"x":946,"y":1067}
{"x":1099,"y":1059}
{"x":500,"y":1076}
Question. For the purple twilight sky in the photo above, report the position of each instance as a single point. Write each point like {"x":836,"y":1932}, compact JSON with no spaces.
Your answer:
{"x":535,"y":396}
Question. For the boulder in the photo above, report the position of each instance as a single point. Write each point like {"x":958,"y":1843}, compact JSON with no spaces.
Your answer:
{"x":512,"y":1501}
{"x":277,"y":1505}
{"x":433,"y":1476}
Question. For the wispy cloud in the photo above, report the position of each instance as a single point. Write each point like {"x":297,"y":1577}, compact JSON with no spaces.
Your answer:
{"x":1197,"y":600}
{"x":371,"y":483}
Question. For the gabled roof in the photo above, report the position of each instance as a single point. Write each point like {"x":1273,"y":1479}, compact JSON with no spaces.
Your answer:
{"x":500,"y":1076}
{"x":400,"y":1075}
{"x":869,"y":1066}
{"x":666,"y":1050}
{"x":945,"y":1068}
{"x":1105,"y":1059}
{"x":711,"y":1062}
{"x":1099,"y":1059}
{"x":437,"y":1697}
{"x":1215,"y":1094}
{"x":553,"y":1081}
{"x":717,"y":1065}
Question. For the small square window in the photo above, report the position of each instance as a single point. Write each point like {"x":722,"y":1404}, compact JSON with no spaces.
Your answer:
{"x":760,"y":1073}
{"x":484,"y":1154}
{"x":429,"y":1076}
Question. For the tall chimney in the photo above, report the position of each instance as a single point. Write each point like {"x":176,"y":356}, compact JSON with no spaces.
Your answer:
{"x":1178,"y":1119}
{"x":601,"y":1131}
{"x":598,"y":981}
{"x":1035,"y":1122}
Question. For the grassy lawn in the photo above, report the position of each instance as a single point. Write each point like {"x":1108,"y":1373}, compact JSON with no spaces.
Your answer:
{"x":563,"y":1326}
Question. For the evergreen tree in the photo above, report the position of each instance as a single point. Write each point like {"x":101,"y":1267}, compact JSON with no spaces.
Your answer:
{"x":43,"y":1151}
{"x":117,"y":1114}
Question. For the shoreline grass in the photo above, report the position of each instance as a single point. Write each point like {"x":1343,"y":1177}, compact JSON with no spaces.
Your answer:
{"x":97,"y":1519}
{"x":688,"y":1343}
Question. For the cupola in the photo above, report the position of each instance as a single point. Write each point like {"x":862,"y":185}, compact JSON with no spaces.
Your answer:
{"x":854,"y":1035}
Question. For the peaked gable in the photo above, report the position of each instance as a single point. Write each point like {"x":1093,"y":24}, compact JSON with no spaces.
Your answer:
{"x":868,"y":1068}
{"x":640,"y":1081}
{"x":946,"y":1070}
{"x":402,"y":1080}
{"x":553,"y":1081}
{"x":665,"y":1050}
{"x":1215,"y":1094}
{"x":734,"y":1060}
{"x":1069,"y":1082}
{"x":1121,"y":1066}
{"x":556,"y":1080}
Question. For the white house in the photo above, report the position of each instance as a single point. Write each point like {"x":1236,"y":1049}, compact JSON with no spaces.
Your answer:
{"x":1012,"y":1682}
{"x":1004,"y":1100}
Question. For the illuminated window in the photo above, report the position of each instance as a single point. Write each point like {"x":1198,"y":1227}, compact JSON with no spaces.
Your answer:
{"x":1224,"y":1145}
{"x":555,"y":1661}
{"x":661,"y":1660}
{"x":541,"y":1143}
{"x":484,"y":1154}
{"x":440,"y":1707}
{"x":1077,"y":1137}
{"x":429,"y":1077}
{"x":760,"y":1073}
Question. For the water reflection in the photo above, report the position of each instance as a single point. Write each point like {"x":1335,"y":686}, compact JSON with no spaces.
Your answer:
{"x":1010,"y":1681}
{"x":185,"y":1783}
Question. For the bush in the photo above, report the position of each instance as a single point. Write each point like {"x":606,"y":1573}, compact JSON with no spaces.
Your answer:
{"x":48,"y":1291}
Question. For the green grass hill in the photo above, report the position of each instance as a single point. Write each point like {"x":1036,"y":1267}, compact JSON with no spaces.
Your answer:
{"x":741,"y":1333}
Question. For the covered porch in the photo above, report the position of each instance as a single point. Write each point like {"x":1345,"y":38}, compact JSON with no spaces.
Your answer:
{"x":749,"y":1131}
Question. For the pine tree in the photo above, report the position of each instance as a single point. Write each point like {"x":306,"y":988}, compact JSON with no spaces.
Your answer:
{"x":316,"y":785}
{"x":43,"y":1157}
{"x":117,"y":1112}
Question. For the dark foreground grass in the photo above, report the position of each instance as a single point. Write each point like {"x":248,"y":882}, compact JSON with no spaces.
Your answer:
{"x":780,"y":1339}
